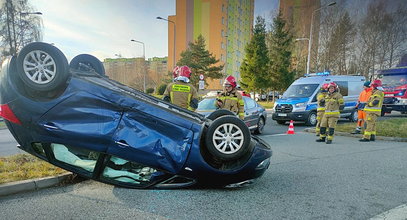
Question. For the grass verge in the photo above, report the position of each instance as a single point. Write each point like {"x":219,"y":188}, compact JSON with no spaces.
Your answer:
{"x":24,"y":166}
{"x":267,"y":105}
{"x":396,"y":127}
{"x":2,"y":124}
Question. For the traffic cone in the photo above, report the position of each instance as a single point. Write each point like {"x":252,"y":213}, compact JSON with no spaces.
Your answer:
{"x":291,"y":128}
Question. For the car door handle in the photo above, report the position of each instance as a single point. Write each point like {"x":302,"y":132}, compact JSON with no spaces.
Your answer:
{"x":50,"y":125}
{"x":122,"y":143}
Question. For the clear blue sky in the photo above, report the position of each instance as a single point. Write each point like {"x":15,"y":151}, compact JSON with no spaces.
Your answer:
{"x":104,"y":28}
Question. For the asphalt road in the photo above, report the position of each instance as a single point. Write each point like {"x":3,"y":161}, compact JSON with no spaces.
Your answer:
{"x":306,"y":180}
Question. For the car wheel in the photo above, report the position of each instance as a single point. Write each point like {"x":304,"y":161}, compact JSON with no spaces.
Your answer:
{"x":219,"y":113}
{"x":42,"y":67}
{"x":228,"y":138}
{"x":87,"y":62}
{"x":280,"y":122}
{"x":354,"y":116}
{"x":312,"y":119}
{"x":260,"y":126}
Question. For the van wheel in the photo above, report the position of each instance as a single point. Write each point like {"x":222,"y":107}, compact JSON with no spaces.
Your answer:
{"x":87,"y":62}
{"x":312,"y":119}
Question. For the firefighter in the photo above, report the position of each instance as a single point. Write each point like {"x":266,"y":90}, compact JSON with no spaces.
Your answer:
{"x":363,"y":97}
{"x":333,"y":102}
{"x":230,"y":98}
{"x":373,"y":110}
{"x":321,"y":106}
{"x":181,"y":92}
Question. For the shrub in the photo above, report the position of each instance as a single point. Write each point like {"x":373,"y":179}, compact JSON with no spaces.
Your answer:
{"x":150,"y":90}
{"x":161,"y":89}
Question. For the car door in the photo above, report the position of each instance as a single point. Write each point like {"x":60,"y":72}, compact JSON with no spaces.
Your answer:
{"x":251,"y":112}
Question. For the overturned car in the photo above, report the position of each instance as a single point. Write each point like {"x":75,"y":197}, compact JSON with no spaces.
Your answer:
{"x":76,"y":118}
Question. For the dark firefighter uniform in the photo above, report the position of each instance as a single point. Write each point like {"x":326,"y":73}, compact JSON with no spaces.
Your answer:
{"x":373,"y":111}
{"x":232,"y":101}
{"x":182,"y":94}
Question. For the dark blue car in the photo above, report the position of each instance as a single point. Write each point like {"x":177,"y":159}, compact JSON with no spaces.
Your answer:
{"x":76,"y":118}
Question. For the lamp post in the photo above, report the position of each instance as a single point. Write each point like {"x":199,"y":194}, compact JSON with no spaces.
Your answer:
{"x":160,"y":18}
{"x":144,"y":60}
{"x":21,"y":24}
{"x":310,"y":33}
{"x":301,"y":39}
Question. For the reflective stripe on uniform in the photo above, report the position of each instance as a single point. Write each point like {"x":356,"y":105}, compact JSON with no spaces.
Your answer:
{"x":231,"y":98}
{"x":331,"y":112}
{"x":320,"y":109}
{"x":172,"y":97}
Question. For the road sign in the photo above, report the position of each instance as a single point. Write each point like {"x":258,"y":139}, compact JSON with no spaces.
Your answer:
{"x":201,"y":77}
{"x":201,"y":84}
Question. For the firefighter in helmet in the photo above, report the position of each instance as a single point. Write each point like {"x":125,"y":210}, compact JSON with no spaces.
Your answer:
{"x":363,"y":97}
{"x":333,"y":102}
{"x":230,"y":99}
{"x":181,"y":92}
{"x":373,"y":110}
{"x":321,"y":106}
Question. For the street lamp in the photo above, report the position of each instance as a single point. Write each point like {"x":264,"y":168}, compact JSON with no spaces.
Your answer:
{"x":310,"y":34}
{"x":160,"y":18}
{"x":144,"y":59}
{"x":301,"y":39}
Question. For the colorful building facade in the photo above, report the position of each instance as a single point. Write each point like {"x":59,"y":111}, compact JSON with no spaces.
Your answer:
{"x":226,"y":26}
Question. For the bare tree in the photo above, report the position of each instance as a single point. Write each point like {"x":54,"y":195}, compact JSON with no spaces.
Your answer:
{"x":18,"y":26}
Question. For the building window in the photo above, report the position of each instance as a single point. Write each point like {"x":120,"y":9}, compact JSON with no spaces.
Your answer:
{"x":223,"y":45}
{"x":223,"y":7}
{"x":223,"y":20}
{"x":223,"y":33}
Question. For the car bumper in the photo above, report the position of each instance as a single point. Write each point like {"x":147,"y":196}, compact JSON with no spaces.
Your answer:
{"x":295,"y":116}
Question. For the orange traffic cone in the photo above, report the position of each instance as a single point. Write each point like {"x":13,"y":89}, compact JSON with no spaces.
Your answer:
{"x":291,"y":128}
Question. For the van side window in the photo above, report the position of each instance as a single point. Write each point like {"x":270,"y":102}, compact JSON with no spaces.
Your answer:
{"x":343,"y":87}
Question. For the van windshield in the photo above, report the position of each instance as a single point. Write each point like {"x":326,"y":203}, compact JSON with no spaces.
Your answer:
{"x":393,"y":79}
{"x":300,"y":91}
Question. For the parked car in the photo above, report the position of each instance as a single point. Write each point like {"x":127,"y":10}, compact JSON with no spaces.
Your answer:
{"x":76,"y":118}
{"x":255,"y":114}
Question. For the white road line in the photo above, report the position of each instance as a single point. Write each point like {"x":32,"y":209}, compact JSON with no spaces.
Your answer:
{"x":398,"y":213}
{"x":272,"y":135}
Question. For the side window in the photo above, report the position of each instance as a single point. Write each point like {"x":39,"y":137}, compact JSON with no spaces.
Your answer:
{"x":250,"y":103}
{"x":343,"y":87}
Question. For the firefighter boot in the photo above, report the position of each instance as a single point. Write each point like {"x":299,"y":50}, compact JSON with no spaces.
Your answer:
{"x":322,"y":136}
{"x":364,"y":140}
{"x":372,"y":137}
{"x":330,"y":135}
{"x":356,"y":131}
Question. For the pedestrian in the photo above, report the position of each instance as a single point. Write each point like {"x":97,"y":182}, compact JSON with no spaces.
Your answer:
{"x":363,"y":97}
{"x":373,"y":110}
{"x":321,"y":106}
{"x":230,"y":99}
{"x":333,"y":102}
{"x":181,"y":92}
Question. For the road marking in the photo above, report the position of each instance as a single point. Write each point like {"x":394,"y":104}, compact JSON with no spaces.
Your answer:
{"x":398,"y":213}
{"x":272,"y":135}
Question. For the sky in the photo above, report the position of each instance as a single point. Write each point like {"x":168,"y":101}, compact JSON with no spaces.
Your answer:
{"x":104,"y":28}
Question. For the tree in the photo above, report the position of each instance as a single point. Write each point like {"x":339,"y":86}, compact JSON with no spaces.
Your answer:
{"x":200,"y":60}
{"x":280,"y":55}
{"x":254,"y":68}
{"x":17,"y":26}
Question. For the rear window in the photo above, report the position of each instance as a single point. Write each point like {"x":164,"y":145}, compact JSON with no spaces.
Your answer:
{"x":343,"y":87}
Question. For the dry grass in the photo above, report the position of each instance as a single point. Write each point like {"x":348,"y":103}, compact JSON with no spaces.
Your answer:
{"x":25,"y":166}
{"x":388,"y":128}
{"x":267,"y":105}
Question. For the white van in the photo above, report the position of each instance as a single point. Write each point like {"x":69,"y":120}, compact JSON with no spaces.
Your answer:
{"x":299,"y":102}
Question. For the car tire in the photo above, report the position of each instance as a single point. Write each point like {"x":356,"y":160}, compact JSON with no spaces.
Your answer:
{"x":87,"y":62}
{"x":353,"y":116}
{"x":219,"y":113}
{"x":42,"y":67}
{"x":280,"y":122}
{"x":228,"y":138}
{"x":260,"y":126}
{"x":312,"y":119}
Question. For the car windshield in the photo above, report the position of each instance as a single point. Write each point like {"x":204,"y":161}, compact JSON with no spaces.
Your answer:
{"x":300,"y":91}
{"x":393,"y":80}
{"x":207,"y":104}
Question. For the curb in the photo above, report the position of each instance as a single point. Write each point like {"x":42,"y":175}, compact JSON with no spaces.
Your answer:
{"x":33,"y":184}
{"x":340,"y":133}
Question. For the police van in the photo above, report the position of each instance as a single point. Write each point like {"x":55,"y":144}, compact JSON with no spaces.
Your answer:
{"x":299,"y":102}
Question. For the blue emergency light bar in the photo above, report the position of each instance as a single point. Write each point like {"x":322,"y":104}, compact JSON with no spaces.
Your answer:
{"x":326,"y":73}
